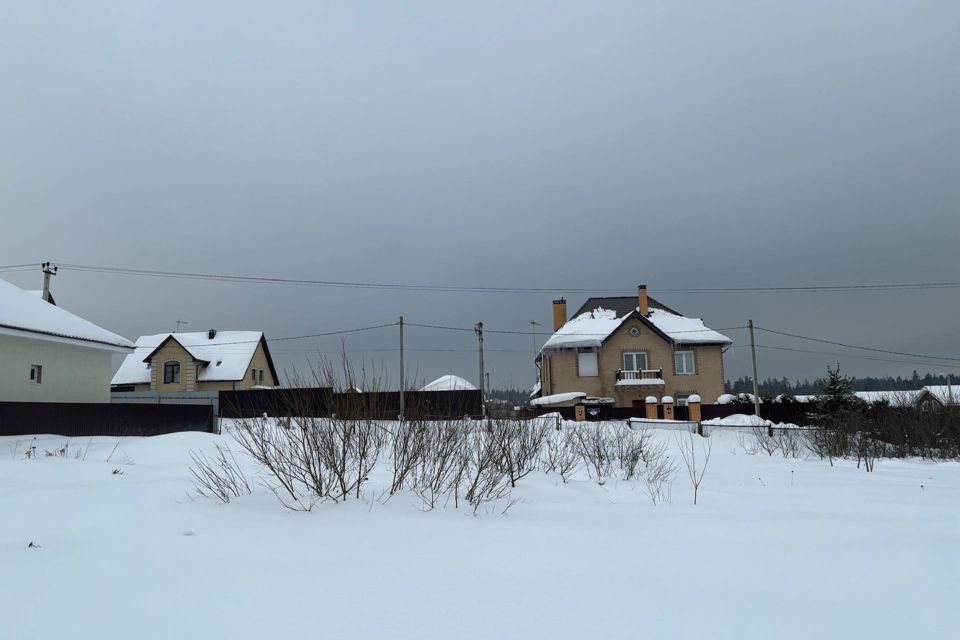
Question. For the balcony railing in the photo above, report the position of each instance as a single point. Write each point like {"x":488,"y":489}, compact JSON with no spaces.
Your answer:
{"x":653,"y":375}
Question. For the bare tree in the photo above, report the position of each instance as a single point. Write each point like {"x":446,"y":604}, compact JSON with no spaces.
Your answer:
{"x":696,"y":468}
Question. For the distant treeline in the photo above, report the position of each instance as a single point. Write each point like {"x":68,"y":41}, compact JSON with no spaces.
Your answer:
{"x":515,"y":396}
{"x":773,"y":387}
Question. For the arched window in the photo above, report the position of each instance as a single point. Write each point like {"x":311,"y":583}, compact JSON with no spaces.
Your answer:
{"x":171,"y":372}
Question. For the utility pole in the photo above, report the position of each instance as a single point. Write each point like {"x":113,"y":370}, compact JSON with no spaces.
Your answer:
{"x":402,"y":365}
{"x":49,"y":269}
{"x":536,"y":369}
{"x":483,"y":396}
{"x":756,"y":393}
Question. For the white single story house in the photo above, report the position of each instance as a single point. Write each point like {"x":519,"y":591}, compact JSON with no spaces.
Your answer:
{"x":449,"y":383}
{"x":48,"y":354}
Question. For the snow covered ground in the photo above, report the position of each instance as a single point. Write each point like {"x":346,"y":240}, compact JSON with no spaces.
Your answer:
{"x":776,"y":548}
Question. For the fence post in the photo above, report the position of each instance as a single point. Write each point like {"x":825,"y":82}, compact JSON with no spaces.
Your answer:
{"x":650,"y":407}
{"x":667,"y":407}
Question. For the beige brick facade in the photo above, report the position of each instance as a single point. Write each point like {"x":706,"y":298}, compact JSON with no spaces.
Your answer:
{"x":560,"y":371}
{"x":190,"y":370}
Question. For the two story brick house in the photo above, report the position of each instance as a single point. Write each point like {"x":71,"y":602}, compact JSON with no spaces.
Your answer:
{"x":621,"y":350}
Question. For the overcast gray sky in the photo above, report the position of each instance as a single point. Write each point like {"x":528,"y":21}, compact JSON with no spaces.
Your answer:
{"x":532,"y":144}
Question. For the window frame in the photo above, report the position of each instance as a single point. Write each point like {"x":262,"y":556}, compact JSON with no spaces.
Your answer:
{"x":682,"y":371}
{"x":646,"y":360}
{"x":584,"y":351}
{"x":175,"y":367}
{"x":36,"y":374}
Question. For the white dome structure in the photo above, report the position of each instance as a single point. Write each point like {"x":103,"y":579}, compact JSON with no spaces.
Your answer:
{"x":449,"y":383}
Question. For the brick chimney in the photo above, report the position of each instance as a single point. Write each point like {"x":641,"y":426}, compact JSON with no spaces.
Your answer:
{"x":642,"y":303}
{"x":559,"y":313}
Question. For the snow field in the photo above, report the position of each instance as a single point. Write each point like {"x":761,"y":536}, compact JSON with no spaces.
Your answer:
{"x":784,"y":548}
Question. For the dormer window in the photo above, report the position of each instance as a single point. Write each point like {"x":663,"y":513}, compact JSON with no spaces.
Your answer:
{"x":171,"y":372}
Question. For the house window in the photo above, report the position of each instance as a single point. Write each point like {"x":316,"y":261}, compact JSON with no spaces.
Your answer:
{"x":171,"y":372}
{"x":684,"y":362}
{"x":36,"y":373}
{"x":260,"y":377}
{"x":253,"y":376}
{"x":587,"y":364}
{"x":683,"y":399}
{"x":634,"y":361}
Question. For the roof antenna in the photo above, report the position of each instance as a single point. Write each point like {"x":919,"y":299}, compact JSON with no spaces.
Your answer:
{"x":180,"y":322}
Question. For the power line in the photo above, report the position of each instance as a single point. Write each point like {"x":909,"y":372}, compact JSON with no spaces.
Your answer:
{"x":851,"y":346}
{"x":855,"y":356}
{"x":486,"y":289}
{"x":527,"y":333}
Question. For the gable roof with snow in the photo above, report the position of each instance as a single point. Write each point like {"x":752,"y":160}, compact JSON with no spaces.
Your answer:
{"x":25,"y":314}
{"x":947,"y":395}
{"x":226,"y":356}
{"x":449,"y":383}
{"x":591,"y":326}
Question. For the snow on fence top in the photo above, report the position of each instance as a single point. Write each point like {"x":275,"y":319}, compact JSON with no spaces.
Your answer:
{"x":227,"y":355}
{"x":22,"y":311}
{"x":591,"y":328}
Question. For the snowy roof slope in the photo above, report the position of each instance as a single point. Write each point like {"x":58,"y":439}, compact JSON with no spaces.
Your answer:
{"x":558,"y":399}
{"x":449,"y":383}
{"x":227,"y":355}
{"x":591,"y":328}
{"x":685,"y":330}
{"x":893,"y":398}
{"x":23,"y":311}
{"x":946,"y":394}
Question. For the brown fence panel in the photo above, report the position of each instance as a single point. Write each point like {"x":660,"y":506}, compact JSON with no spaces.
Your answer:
{"x":322,"y":402}
{"x":794,"y":413}
{"x":102,"y":419}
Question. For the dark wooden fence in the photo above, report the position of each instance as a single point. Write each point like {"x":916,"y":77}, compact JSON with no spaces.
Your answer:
{"x":102,"y":419}
{"x":776,"y":412}
{"x":791,"y":413}
{"x":322,"y":402}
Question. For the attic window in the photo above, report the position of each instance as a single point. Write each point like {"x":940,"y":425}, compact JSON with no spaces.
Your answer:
{"x":219,"y":362}
{"x":171,"y":372}
{"x":634,"y":331}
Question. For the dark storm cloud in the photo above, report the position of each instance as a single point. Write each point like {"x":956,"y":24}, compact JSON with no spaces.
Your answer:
{"x":516,"y":143}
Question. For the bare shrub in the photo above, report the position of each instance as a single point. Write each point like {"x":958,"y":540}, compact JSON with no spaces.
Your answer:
{"x":765,"y":440}
{"x":561,"y":454}
{"x":518,"y":444}
{"x":659,"y":474}
{"x":790,"y":442}
{"x":484,"y":478}
{"x":629,"y":447}
{"x":594,"y":445}
{"x":439,"y":467}
{"x":696,"y":468}
{"x":407,"y":442}
{"x":219,"y":477}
